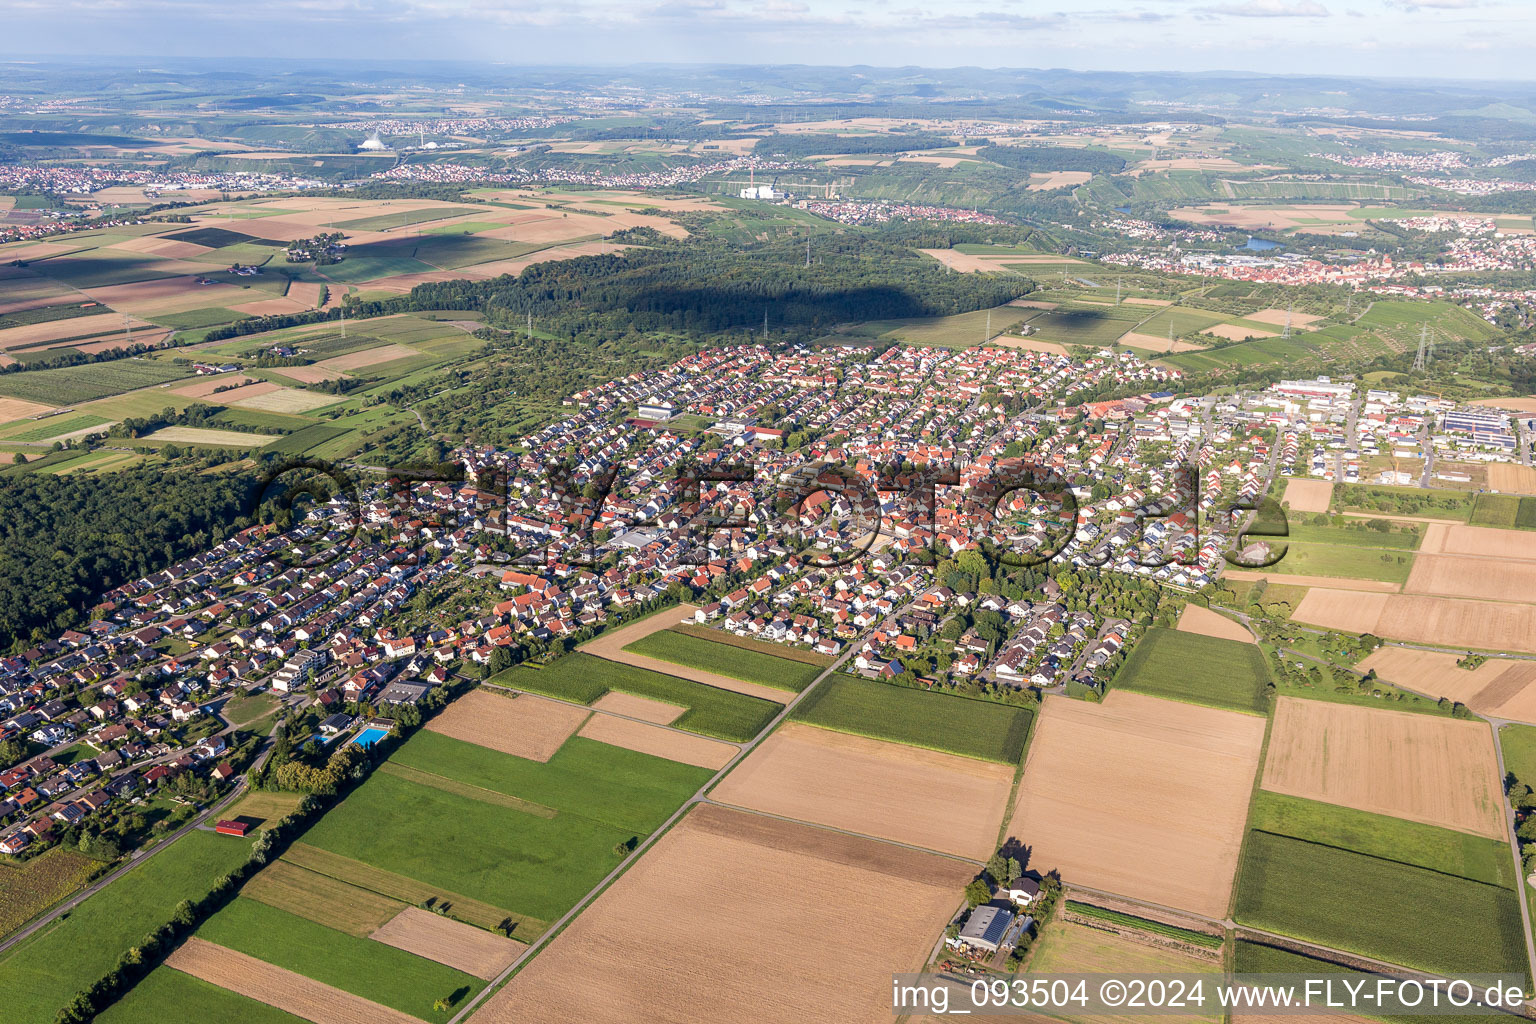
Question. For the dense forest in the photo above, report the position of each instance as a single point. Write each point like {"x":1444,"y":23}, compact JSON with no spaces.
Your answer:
{"x":65,"y":539}
{"x":703,"y":286}
{"x":812,"y":144}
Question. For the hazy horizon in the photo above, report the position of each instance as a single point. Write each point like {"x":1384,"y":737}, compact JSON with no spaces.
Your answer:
{"x":1438,"y":39}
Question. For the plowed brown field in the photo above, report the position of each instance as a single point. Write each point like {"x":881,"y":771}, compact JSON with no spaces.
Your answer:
{"x":659,"y":741}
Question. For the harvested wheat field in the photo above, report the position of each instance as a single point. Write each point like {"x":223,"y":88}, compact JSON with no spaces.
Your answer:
{"x":154,"y":245}
{"x":612,"y":643}
{"x":1195,"y":619}
{"x":1447,"y":621}
{"x":1237,"y":332}
{"x":523,"y":726}
{"x":1157,"y":344}
{"x":1139,"y":796}
{"x":1487,"y":578}
{"x":311,"y":374}
{"x":270,"y":307}
{"x":924,"y":798}
{"x":369,"y":357}
{"x":643,"y":708}
{"x":1279,"y":317}
{"x":969,"y":262}
{"x":1057,"y":179}
{"x":16,"y":409}
{"x":1526,"y":405}
{"x":275,"y":986}
{"x":167,"y":295}
{"x":728,"y":918}
{"x":1499,"y":687}
{"x":290,"y":400}
{"x":1327,"y":582}
{"x":205,"y":386}
{"x":461,"y":946}
{"x":659,"y":741}
{"x":1304,"y":495}
{"x":206,"y":436}
{"x":306,"y":293}
{"x":1511,"y":478}
{"x":1438,"y":771}
{"x":1029,"y":344}
{"x":54,"y":330}
{"x":1345,"y":610}
{"x":1487,"y":541}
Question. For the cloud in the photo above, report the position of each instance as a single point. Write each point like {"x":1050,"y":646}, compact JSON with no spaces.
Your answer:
{"x":1434,"y":5}
{"x":1268,"y":9}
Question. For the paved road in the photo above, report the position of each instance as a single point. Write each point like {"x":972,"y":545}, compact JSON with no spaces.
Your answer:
{"x":139,"y":856}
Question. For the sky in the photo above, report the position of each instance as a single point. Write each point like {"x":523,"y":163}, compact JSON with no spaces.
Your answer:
{"x":1484,"y":39}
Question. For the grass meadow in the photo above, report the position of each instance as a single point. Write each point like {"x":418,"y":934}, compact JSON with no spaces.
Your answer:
{"x":726,"y":659}
{"x":1198,"y":670}
{"x":919,"y":718}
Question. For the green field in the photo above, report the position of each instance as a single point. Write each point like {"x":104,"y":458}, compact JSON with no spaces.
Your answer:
{"x":53,"y":426}
{"x":627,"y":789}
{"x":1504,"y":511}
{"x":963,"y":330}
{"x":535,"y":866}
{"x":1344,"y":560}
{"x":584,"y":678}
{"x":1096,"y":328}
{"x":1378,"y":835}
{"x":302,"y":440}
{"x":726,"y":659}
{"x":169,"y":995}
{"x":920,"y":718}
{"x":1198,"y":669}
{"x":1403,"y":501}
{"x":43,"y":973}
{"x":1407,"y":540}
{"x":1379,"y":908}
{"x":746,"y":643}
{"x":213,"y":238}
{"x":50,"y":314}
{"x":192,"y":319}
{"x":1519,"y":745}
{"x":1257,"y":958}
{"x":373,"y":970}
{"x":405,"y":218}
{"x":369,"y":268}
{"x":70,"y":384}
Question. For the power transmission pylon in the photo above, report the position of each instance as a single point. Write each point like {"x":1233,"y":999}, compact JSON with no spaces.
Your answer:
{"x":1288,"y":307}
{"x":989,"y":327}
{"x":1118,"y":281}
{"x":1419,"y":360}
{"x":128,"y":328}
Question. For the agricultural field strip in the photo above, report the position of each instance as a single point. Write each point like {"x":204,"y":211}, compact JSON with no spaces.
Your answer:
{"x":448,"y":785}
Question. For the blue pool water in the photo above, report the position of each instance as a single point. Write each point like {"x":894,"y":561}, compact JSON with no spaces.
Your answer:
{"x":368,"y":737}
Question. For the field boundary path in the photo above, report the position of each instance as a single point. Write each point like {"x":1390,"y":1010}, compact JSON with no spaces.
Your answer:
{"x":698,"y":797}
{"x":140,"y":856}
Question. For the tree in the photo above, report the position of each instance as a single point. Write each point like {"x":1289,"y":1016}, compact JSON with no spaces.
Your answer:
{"x":977,"y":892}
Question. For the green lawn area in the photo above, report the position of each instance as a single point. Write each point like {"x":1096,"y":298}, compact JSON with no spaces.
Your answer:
{"x":584,"y":678}
{"x":1406,"y":540}
{"x":43,"y":973}
{"x":1197,"y":669}
{"x":921,"y":718}
{"x":1379,"y":908}
{"x":53,"y":426}
{"x":1378,"y":835}
{"x":624,"y":788}
{"x":373,"y":970}
{"x":726,"y":659}
{"x":533,"y":865}
{"x":1344,"y":560}
{"x":1519,"y":745}
{"x":169,"y":995}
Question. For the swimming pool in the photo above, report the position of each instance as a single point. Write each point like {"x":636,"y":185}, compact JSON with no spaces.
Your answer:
{"x":368,"y":737}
